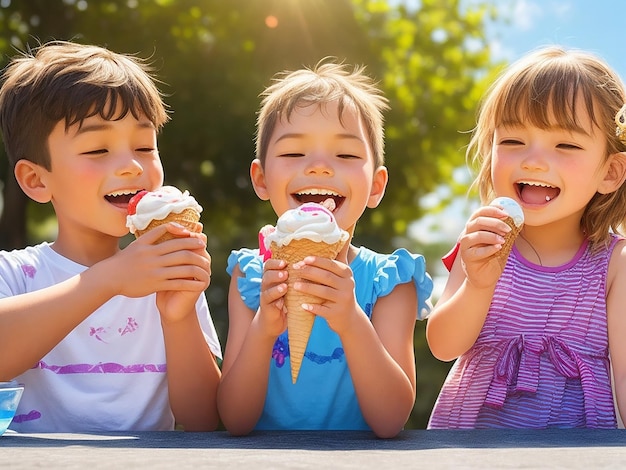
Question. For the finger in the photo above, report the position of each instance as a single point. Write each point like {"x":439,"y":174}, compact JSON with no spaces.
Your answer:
{"x":191,"y":245}
{"x":151,"y":236}
{"x":273,"y":276}
{"x":273,"y":294}
{"x":484,"y":237}
{"x":320,"y":264}
{"x":487,"y":224}
{"x":201,"y":235}
{"x":319,"y":261}
{"x":317,"y":309}
{"x":478,"y":245}
{"x":323,"y":292}
{"x":201,"y":273}
{"x":184,"y":231}
{"x":186,"y":271}
{"x":187,"y":284}
{"x":274,"y":264}
{"x":488,"y":211}
{"x":335,"y":275}
{"x":477,"y":253}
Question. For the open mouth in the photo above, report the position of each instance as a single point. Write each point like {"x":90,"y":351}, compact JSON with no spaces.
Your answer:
{"x":536,"y":193}
{"x":121,"y":198}
{"x":318,"y":196}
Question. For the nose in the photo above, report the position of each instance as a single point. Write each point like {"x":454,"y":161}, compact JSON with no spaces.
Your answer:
{"x":319,"y":165}
{"x":129,"y":165}
{"x":535,"y":159}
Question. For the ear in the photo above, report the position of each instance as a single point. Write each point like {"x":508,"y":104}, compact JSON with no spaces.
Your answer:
{"x":32,"y":179}
{"x":615,"y":173}
{"x":257,"y":176}
{"x":379,"y":184}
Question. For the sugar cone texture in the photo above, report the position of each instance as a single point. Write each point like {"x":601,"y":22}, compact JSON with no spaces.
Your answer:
{"x":299,"y":321}
{"x":503,"y":254}
{"x":188,"y":218}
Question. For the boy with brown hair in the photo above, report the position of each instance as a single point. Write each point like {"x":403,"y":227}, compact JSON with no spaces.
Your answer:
{"x":104,"y":339}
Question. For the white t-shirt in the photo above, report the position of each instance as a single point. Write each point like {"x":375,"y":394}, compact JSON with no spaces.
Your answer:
{"x":109,"y":373}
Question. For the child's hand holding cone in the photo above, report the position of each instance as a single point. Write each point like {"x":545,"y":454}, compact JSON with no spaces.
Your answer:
{"x":515,"y":221}
{"x":308,"y":230}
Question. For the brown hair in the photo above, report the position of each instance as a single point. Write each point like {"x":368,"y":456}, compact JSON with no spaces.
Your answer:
{"x":548,"y":83}
{"x":326,"y":82}
{"x":64,"y":81}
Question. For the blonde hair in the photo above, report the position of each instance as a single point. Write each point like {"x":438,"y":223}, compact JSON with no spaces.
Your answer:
{"x":542,"y":88}
{"x":63,"y":81}
{"x":326,"y":82}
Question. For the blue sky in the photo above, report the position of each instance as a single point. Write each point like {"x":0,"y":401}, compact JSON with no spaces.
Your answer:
{"x":598,"y":26}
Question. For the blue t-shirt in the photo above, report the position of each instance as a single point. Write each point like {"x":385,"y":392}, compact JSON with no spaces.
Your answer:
{"x":323,"y":397}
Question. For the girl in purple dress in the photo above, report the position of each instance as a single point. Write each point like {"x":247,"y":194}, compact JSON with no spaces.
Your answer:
{"x":532,"y":340}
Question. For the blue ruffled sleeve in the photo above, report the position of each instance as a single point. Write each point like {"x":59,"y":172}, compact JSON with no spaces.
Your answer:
{"x":400,"y":267}
{"x":251,"y":267}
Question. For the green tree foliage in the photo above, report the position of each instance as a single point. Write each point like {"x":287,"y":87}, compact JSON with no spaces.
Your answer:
{"x":214,"y":57}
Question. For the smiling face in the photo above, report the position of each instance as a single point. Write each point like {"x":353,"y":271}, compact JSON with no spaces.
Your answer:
{"x":552,"y":172}
{"x":314,"y":155}
{"x":95,"y":168}
{"x":571,"y":97}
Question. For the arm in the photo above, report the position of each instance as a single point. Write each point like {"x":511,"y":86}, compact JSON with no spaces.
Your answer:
{"x":251,"y":337}
{"x":381,"y":359}
{"x":459,"y":315}
{"x":379,"y":353}
{"x":192,"y":371}
{"x":33,"y":323}
{"x":616,"y":320}
{"x":192,"y":374}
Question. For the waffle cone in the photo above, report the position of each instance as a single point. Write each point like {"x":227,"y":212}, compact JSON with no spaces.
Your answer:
{"x":188,"y":218}
{"x":299,"y":321}
{"x":503,"y":254}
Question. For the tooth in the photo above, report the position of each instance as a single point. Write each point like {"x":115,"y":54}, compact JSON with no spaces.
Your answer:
{"x":320,"y":192}
{"x":121,"y":192}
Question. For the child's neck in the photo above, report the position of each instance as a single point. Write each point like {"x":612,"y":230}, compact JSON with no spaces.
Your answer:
{"x":549,"y":245}
{"x":86,"y":252}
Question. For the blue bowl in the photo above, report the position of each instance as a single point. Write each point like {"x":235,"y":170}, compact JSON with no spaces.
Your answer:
{"x":10,"y":395}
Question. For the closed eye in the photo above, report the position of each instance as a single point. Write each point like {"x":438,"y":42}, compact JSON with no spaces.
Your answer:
{"x":95,"y":152}
{"x":291,"y":155}
{"x":348,"y":156}
{"x":569,"y":147}
{"x":510,"y":142}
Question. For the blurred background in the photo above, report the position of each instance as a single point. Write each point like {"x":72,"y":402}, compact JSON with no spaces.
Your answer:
{"x":433,"y":58}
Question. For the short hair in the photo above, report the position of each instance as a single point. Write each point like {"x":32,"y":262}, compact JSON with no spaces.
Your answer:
{"x":549,"y":82}
{"x":64,"y":81}
{"x":326,"y":82}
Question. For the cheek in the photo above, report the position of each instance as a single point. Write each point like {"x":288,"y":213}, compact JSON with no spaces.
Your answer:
{"x":85,"y":171}
{"x":500,"y":175}
{"x":156,"y":173}
{"x":501,"y":162}
{"x":496,"y":168}
{"x":276,"y":174}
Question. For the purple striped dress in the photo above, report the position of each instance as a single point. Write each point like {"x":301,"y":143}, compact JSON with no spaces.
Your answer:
{"x":541,"y":359}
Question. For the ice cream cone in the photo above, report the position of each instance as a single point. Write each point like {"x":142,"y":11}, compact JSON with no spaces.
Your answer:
{"x":515,"y":220}
{"x":299,"y":321}
{"x":188,"y":218}
{"x":503,"y":254}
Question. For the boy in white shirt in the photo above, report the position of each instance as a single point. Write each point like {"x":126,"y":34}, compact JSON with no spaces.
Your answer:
{"x":104,"y":339}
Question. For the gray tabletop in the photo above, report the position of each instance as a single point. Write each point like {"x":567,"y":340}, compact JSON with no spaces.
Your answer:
{"x":422,"y":449}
